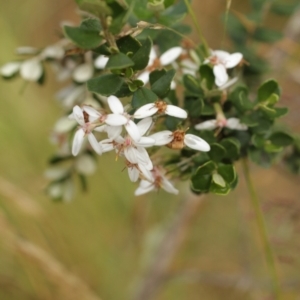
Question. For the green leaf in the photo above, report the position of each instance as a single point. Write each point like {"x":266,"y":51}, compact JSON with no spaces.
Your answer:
{"x":228,"y":173}
{"x":239,"y":98}
{"x":201,"y":183}
{"x":207,"y":76}
{"x":270,"y":148}
{"x":86,"y":36}
{"x":95,"y":7}
{"x":141,"y":57}
{"x":281,"y":111}
{"x":128,"y":45}
{"x":218,"y":189}
{"x":258,"y":140}
{"x":142,"y":96}
{"x":193,"y":105}
{"x":232,"y":147}
{"x":218,"y":179}
{"x":206,"y":168}
{"x":217,"y":152}
{"x":119,"y":61}
{"x":267,"y":35}
{"x":161,"y":87}
{"x":192,"y":85}
{"x":266,"y":90}
{"x":123,"y":91}
{"x":106,"y":85}
{"x":172,"y":123}
{"x":281,"y":139}
{"x":284,"y":9}
{"x":268,"y":111}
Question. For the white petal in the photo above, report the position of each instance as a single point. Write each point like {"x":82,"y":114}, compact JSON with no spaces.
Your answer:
{"x":94,"y":143}
{"x":101,"y":61}
{"x":234,"y":123}
{"x":144,"y":189}
{"x":106,"y":145}
{"x":152,"y":57}
{"x":113,"y":131}
{"x":170,"y":55}
{"x":115,"y":105}
{"x":168,"y":186}
{"x":55,"y":52}
{"x":144,"y":77}
{"x":207,"y":125}
{"x":145,"y":141}
{"x":64,"y":125}
{"x":162,"y":137}
{"x":10,"y":68}
{"x":176,"y":111}
{"x":131,"y":155}
{"x":144,"y":125}
{"x":220,"y":73}
{"x":31,"y":70}
{"x":143,"y":158}
{"x":146,"y":110}
{"x":133,"y":130}
{"x":78,"y":115}
{"x":146,"y":173}
{"x":85,"y":164}
{"x":229,"y":83}
{"x":115,"y":120}
{"x":77,"y":141}
{"x":196,"y":143}
{"x":189,"y":64}
{"x":173,"y":85}
{"x":92,"y":112}
{"x":221,"y":55}
{"x":233,"y":60}
{"x":83,"y":72}
{"x":26,"y":50}
{"x":133,"y":174}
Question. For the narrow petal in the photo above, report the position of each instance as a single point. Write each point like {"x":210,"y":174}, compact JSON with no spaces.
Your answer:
{"x":83,"y":72}
{"x":94,"y":143}
{"x":91,"y":111}
{"x":133,"y":174}
{"x":86,"y":164}
{"x":133,"y":130}
{"x":145,"y":141}
{"x":168,"y":186}
{"x":144,"y":76}
{"x":143,"y":158}
{"x":207,"y":125}
{"x":78,"y":115}
{"x":162,"y":137}
{"x":229,"y":83}
{"x":221,"y":55}
{"x":113,"y":131}
{"x":31,"y":70}
{"x":176,"y":111}
{"x":77,"y":141}
{"x":196,"y":143}
{"x":10,"y":68}
{"x":106,"y":145}
{"x":131,"y":155}
{"x":115,"y":105}
{"x":220,"y":73}
{"x":152,"y":57}
{"x":101,"y":61}
{"x":64,"y":125}
{"x":54,"y":52}
{"x":234,"y":123}
{"x":144,"y":125}
{"x":233,"y":60}
{"x":147,"y":187}
{"x":170,"y":55}
{"x":146,"y":110}
{"x":145,"y":172}
{"x":115,"y":120}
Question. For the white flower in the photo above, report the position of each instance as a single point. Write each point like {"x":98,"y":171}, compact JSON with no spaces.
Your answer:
{"x":85,"y":118}
{"x":120,"y":117}
{"x":10,"y":69}
{"x":83,"y":72}
{"x":158,"y":181}
{"x":101,"y":62}
{"x":178,"y":139}
{"x":160,"y":107}
{"x":222,"y":60}
{"x":231,"y":123}
{"x":31,"y":69}
{"x":154,"y":63}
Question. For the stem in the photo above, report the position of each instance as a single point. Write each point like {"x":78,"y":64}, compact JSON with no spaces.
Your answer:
{"x":199,"y":31}
{"x":262,"y":232}
{"x":228,"y":4}
{"x":107,"y":34}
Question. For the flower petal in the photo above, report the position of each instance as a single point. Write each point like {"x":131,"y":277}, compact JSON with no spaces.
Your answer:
{"x":168,"y":186}
{"x":144,"y":125}
{"x":144,"y":76}
{"x":233,"y":60}
{"x":146,"y":110}
{"x":229,"y":83}
{"x":145,"y":172}
{"x":176,"y":111}
{"x":207,"y":125}
{"x":115,"y":105}
{"x":145,"y":141}
{"x":131,"y":155}
{"x":143,"y":158}
{"x":77,"y":141}
{"x":83,"y":72}
{"x":10,"y":69}
{"x":54,"y":52}
{"x":220,"y":73}
{"x":170,"y":55}
{"x":196,"y":143}
{"x":92,"y":112}
{"x":115,"y":120}
{"x":133,"y":130}
{"x":162,"y":138}
{"x":234,"y":123}
{"x":133,"y":174}
{"x":86,"y":164}
{"x":94,"y":143}
{"x":101,"y":61}
{"x":31,"y":69}
{"x":106,"y":145}
{"x":145,"y":188}
{"x":221,"y":55}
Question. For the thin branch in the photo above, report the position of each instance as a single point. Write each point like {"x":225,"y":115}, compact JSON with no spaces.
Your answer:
{"x":168,"y":248}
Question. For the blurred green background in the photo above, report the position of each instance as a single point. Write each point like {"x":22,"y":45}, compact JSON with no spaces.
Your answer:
{"x":95,"y":246}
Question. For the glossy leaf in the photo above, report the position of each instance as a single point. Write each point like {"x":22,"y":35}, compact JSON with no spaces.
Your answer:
{"x":141,"y":56}
{"x":143,"y":96}
{"x":162,"y":86}
{"x":119,"y":61}
{"x":106,"y":85}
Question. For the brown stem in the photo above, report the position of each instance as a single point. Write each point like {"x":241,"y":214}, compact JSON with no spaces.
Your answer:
{"x":107,"y":34}
{"x":168,"y":248}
